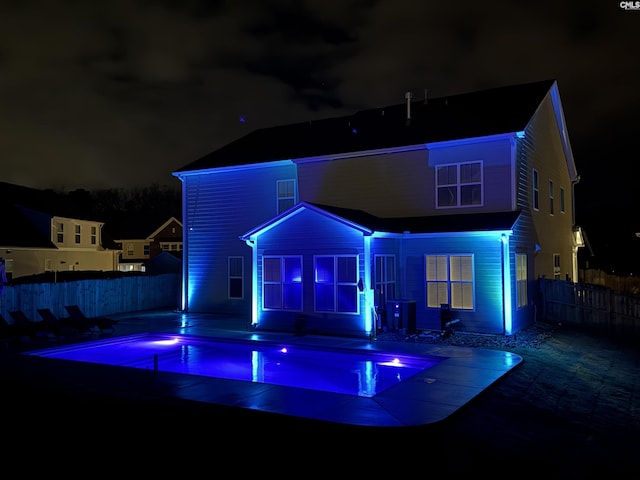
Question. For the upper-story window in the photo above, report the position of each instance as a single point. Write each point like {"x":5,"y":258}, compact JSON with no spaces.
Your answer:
{"x":459,"y":185}
{"x":60,"y":233}
{"x":146,"y":249}
{"x":94,"y":235}
{"x":286,"y":194}
{"x":78,"y":235}
{"x":551,"y":199}
{"x":562,"y":200}
{"x":536,"y":190}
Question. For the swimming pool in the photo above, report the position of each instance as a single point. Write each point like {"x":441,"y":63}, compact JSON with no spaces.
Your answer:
{"x":346,"y":371}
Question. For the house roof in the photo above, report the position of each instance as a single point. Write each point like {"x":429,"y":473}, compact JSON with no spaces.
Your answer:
{"x":468,"y":115}
{"x":473,"y":222}
{"x":155,"y":233}
{"x":468,"y":222}
{"x":23,"y":209}
{"x":46,"y":201}
{"x":20,"y":231}
{"x":159,"y":230}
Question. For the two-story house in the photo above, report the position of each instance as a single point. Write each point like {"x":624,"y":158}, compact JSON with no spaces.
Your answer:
{"x":454,"y":204}
{"x":43,"y":234}
{"x":136,"y":252}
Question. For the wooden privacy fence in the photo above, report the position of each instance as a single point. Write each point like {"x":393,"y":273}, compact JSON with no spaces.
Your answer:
{"x":96,"y":297}
{"x":590,"y":306}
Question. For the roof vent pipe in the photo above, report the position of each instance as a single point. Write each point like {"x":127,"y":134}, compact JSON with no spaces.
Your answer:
{"x":408,"y":96}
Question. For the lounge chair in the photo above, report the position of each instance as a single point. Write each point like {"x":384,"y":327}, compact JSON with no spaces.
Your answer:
{"x":79,"y":318}
{"x":8,"y":331}
{"x":29,"y":328}
{"x":61,"y":327}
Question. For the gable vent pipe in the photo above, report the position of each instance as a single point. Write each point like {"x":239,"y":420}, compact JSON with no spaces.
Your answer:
{"x":408,"y":97}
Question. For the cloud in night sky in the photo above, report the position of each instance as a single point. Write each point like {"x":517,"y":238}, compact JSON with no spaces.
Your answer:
{"x":121,"y":93}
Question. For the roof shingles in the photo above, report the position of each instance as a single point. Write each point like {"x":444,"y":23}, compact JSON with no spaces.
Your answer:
{"x":470,"y":115}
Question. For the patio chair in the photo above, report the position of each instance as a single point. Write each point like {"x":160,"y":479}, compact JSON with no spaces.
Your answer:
{"x":81,"y":320}
{"x":8,"y":331}
{"x":29,"y":328}
{"x":61,"y":327}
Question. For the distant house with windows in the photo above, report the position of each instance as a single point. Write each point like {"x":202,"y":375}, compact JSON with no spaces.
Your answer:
{"x":135,"y":253}
{"x":42,"y":234}
{"x":394,"y":214}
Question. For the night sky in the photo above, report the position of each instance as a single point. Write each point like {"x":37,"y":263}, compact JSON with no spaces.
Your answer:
{"x":121,"y":93}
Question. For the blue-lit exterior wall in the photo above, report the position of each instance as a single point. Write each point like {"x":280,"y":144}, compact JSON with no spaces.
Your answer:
{"x":219,"y":206}
{"x":487,"y":316}
{"x":309,"y":233}
{"x":402,"y":183}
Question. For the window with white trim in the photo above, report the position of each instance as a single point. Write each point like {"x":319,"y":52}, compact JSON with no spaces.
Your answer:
{"x":60,"y":233}
{"x":78,"y":236}
{"x":94,"y":235}
{"x":282,"y":283}
{"x":286,"y":194}
{"x":562,"y":210}
{"x":236,"y":277}
{"x":459,"y":185}
{"x":521,"y":280}
{"x":336,"y":283}
{"x":556,"y":266}
{"x":449,"y":279}
{"x":536,"y":190}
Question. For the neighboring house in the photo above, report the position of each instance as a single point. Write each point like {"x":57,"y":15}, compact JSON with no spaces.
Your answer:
{"x":40,"y":234}
{"x":164,"y":262}
{"x":446,"y":205}
{"x":135,"y":252}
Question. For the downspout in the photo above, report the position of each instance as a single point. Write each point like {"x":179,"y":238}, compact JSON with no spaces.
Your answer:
{"x":507,"y":317}
{"x":186,"y":222}
{"x":403,"y":264}
{"x":254,"y":280}
{"x":574,"y":249}
{"x":370,"y":310}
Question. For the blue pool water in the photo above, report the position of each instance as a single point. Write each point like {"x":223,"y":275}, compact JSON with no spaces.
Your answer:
{"x":351,"y":372}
